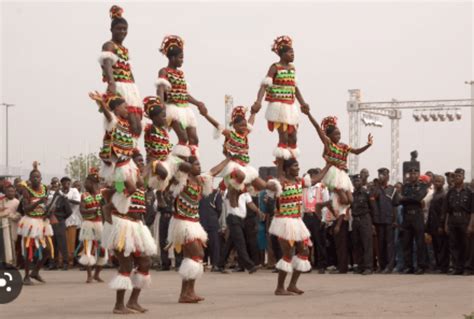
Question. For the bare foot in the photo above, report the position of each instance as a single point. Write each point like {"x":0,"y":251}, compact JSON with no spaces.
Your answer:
{"x":98,"y":279}
{"x":122,"y":310}
{"x":137,"y":307}
{"x":198,"y":298}
{"x":283,"y":292}
{"x":295,"y":290}
{"x":89,"y":280}
{"x":187,"y":299}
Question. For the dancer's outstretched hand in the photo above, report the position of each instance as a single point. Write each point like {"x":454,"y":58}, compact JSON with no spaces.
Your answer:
{"x":370,"y":139}
{"x":96,"y":96}
{"x":256,"y":107}
{"x":305,"y":109}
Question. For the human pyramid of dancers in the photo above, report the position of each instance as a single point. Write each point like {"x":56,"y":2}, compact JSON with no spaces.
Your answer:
{"x":177,"y":169}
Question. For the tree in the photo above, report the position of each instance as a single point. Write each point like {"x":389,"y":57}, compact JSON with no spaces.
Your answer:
{"x":78,"y":166}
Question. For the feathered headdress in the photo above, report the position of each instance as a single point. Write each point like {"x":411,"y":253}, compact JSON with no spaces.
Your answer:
{"x":150,"y":103}
{"x":328,"y":121}
{"x":171,"y":41}
{"x":115,"y":12}
{"x":282,"y":41}
{"x":108,"y":98}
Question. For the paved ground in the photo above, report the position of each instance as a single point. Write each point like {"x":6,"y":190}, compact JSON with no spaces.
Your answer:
{"x":240,"y":295}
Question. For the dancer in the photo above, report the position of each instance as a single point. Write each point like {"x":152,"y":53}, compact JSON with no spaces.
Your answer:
{"x":337,"y":180}
{"x":118,"y":169}
{"x":185,"y":232}
{"x":280,"y":90}
{"x":35,"y":228}
{"x":171,"y":87}
{"x":93,"y":254}
{"x":132,"y":243}
{"x":237,"y":173}
{"x":117,"y":72}
{"x":289,"y":227}
{"x":161,"y":165}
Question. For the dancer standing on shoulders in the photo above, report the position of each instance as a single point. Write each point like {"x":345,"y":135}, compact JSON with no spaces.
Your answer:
{"x":337,"y":180}
{"x":280,"y":90}
{"x":172,"y":88}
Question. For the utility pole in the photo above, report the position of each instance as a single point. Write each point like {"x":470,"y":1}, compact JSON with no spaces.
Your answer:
{"x":7,"y":105}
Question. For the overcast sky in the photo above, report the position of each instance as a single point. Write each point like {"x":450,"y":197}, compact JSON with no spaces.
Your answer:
{"x":407,"y":51}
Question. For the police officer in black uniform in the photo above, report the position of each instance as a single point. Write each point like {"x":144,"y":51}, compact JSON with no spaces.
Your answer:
{"x":459,"y":210}
{"x":384,"y":219}
{"x":411,"y":197}
{"x":362,"y":229}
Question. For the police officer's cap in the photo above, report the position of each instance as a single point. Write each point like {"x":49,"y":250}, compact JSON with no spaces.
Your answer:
{"x":459,"y":171}
{"x":383,"y":170}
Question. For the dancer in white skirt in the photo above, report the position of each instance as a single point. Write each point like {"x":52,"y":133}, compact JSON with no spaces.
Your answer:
{"x":118,"y":169}
{"x":172,"y":88}
{"x":90,"y":236}
{"x":280,"y":90}
{"x":117,"y":72}
{"x":337,"y":180}
{"x":161,"y":166}
{"x":35,"y":228}
{"x":237,"y":173}
{"x":289,"y":227}
{"x":185,"y":233}
{"x":132,"y":244}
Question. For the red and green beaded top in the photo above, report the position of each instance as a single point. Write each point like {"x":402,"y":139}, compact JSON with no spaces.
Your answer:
{"x":92,"y":202}
{"x":283,"y":88}
{"x":137,"y":205}
{"x":122,"y":70}
{"x":121,"y":142}
{"x":40,"y":210}
{"x":336,"y":154}
{"x":157,"y":143}
{"x":178,"y":94}
{"x":290,"y":200}
{"x":187,"y":202}
{"x":237,"y":148}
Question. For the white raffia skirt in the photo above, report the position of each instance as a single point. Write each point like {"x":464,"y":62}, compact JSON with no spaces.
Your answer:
{"x":128,"y":236}
{"x":278,"y":112}
{"x":130,"y":93}
{"x":36,"y":228}
{"x":182,"y":231}
{"x":250,"y":174}
{"x":182,"y":114}
{"x":171,"y":164}
{"x":111,"y":172}
{"x":337,"y":178}
{"x":291,"y":229}
{"x":91,"y":230}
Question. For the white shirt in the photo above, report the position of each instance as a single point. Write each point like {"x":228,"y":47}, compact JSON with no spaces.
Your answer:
{"x":75,"y":219}
{"x":241,"y":209}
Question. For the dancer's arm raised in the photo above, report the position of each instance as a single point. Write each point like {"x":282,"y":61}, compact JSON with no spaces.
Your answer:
{"x":261,"y":92}
{"x":370,"y":141}
{"x":316,"y":125}
{"x":95,"y":96}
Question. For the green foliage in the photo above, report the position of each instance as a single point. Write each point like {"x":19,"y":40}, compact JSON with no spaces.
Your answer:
{"x":78,"y":166}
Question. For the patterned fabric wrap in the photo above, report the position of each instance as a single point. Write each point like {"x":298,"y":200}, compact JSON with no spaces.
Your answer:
{"x":283,"y":88}
{"x":157,"y":143}
{"x":92,"y":202}
{"x":290,"y":200}
{"x":187,"y":202}
{"x":122,"y":70}
{"x":137,"y":205}
{"x":121,"y":139}
{"x":237,"y":148}
{"x":336,"y":154}
{"x":39,"y":210}
{"x":178,"y":94}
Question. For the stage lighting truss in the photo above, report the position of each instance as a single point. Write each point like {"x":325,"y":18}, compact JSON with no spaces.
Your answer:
{"x":371,"y":120}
